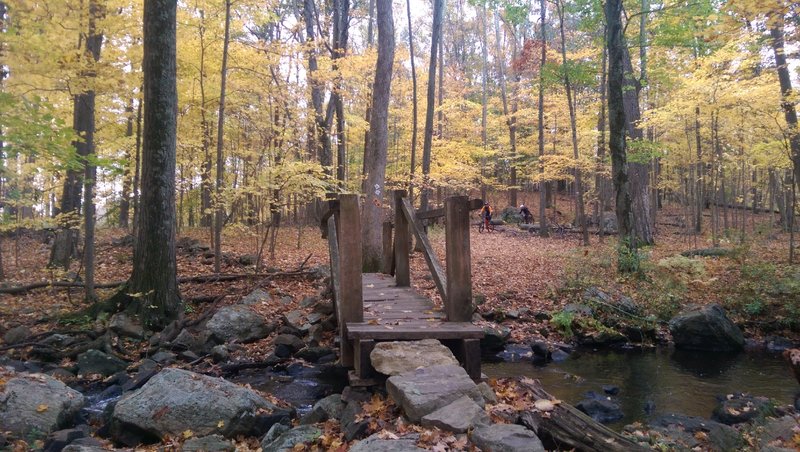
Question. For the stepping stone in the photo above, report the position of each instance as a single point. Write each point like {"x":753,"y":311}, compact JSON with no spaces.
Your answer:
{"x":375,"y":444}
{"x":425,"y":390}
{"x":394,"y":358}
{"x":506,"y":438}
{"x":458,"y":417}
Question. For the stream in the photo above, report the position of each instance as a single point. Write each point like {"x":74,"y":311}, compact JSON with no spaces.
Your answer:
{"x":657,"y":382}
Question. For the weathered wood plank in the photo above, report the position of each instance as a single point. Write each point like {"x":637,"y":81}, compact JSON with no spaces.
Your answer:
{"x":363,"y":365}
{"x":569,"y":428}
{"x":402,"y":248}
{"x":474,"y":204}
{"x":458,"y":303}
{"x":432,"y":330}
{"x":333,"y":208}
{"x":352,"y":300}
{"x":388,"y":251}
{"x":333,"y":250}
{"x":427,"y":250}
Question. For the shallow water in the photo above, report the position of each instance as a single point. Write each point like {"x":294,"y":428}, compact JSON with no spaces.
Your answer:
{"x":300,"y":386}
{"x":666,"y":380}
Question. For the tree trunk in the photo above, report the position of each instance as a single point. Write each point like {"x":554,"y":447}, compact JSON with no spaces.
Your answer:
{"x":219,"y":208}
{"x":125,"y":196}
{"x":413,"y":105}
{"x":372,"y":214}
{"x":579,"y":207}
{"x":154,"y":279}
{"x":205,"y":125}
{"x":436,"y":33}
{"x":617,"y":120}
{"x":787,"y":95}
{"x":484,"y":101}
{"x":94,"y":42}
{"x":601,"y":181}
{"x":511,"y":122}
{"x":543,"y":229}
{"x":137,"y":166}
{"x":341,"y":17}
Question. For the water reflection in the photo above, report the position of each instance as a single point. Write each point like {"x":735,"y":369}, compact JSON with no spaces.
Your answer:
{"x":658,"y":382}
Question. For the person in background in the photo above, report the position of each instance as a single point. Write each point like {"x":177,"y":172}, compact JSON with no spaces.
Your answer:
{"x":527,"y":217}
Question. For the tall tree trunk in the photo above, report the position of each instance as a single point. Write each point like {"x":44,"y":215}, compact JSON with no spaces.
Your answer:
{"x":137,"y":165}
{"x":372,"y":214}
{"x":617,"y":121}
{"x":125,"y":196}
{"x":436,"y":33}
{"x":219,"y":208}
{"x":205,"y":124}
{"x":787,"y":95}
{"x":484,"y":94}
{"x":154,"y":277}
{"x":94,"y":41}
{"x":579,"y":207}
{"x":511,"y":121}
{"x":413,"y":105}
{"x":638,"y":172}
{"x":341,"y":26}
{"x":601,"y":181}
{"x":543,"y":229}
{"x":368,"y":110}
{"x":3,"y":75}
{"x":321,"y":127}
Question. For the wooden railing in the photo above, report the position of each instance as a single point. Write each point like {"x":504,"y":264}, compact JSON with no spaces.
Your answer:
{"x":453,"y":284}
{"x":344,"y":246}
{"x":341,"y":224}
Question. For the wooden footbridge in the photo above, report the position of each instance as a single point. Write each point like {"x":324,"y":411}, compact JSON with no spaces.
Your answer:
{"x":375,"y":307}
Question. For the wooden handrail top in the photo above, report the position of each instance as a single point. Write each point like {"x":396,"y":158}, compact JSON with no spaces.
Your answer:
{"x":474,"y":204}
{"x":333,"y":207}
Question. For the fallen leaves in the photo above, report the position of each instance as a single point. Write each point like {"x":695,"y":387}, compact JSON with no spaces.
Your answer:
{"x":42,"y":408}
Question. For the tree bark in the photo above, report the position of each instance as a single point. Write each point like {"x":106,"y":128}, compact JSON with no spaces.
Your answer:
{"x":543,"y":229}
{"x":436,"y":33}
{"x":219,"y":208}
{"x":579,"y":206}
{"x":413,"y":106}
{"x":617,"y":120}
{"x":125,"y":196}
{"x":372,"y":213}
{"x":94,"y":42}
{"x":154,"y":285}
{"x":511,"y":120}
{"x":787,"y":97}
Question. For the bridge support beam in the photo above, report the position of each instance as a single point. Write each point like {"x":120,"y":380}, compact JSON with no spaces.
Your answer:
{"x":351,"y":305}
{"x":458,"y":305}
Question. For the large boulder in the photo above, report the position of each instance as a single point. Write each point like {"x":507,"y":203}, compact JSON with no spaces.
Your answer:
{"x":289,"y":439}
{"x":683,"y":432}
{"x":125,"y":325}
{"x":601,"y":409}
{"x":739,"y":408}
{"x":177,"y":400}
{"x":377,"y":444}
{"x":96,"y":362}
{"x":705,"y":328}
{"x":36,"y":402}
{"x":394,"y":358}
{"x":506,"y":438}
{"x":425,"y":390}
{"x":238,"y":323}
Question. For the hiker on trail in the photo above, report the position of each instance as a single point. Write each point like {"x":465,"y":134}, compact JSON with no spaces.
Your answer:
{"x":525,"y":213}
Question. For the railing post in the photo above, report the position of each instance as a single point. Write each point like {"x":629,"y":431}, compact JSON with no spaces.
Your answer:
{"x":352,"y":303}
{"x":458,"y":305}
{"x":388,"y":252}
{"x":402,"y":239}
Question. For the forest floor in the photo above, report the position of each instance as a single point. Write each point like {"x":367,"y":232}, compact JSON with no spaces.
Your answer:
{"x":512,"y":269}
{"x":524,"y":280}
